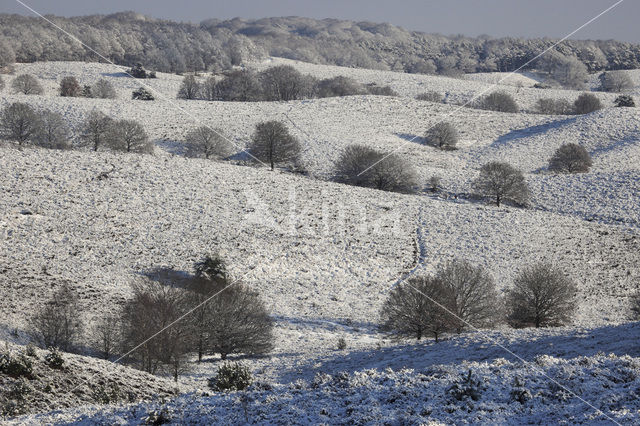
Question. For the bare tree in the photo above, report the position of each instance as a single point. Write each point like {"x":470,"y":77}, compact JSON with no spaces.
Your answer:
{"x":273,"y":144}
{"x":58,"y":323}
{"x":363,"y":166}
{"x":103,"y":90}
{"x":498,"y":101}
{"x":541,"y":296}
{"x":474,"y":293}
{"x":442,"y":135}
{"x":210,"y":89}
{"x":587,"y":103}
{"x":19,"y":122}
{"x":552,"y":106}
{"x":69,"y":87}
{"x":570,"y":158}
{"x":96,"y":129}
{"x":129,"y":136}
{"x":502,"y":182}
{"x":616,"y":81}
{"x":53,"y":131}
{"x":239,"y":86}
{"x":26,"y":84}
{"x":282,"y":83}
{"x":204,"y":141}
{"x":106,"y":335}
{"x":418,"y":307}
{"x":190,"y":88}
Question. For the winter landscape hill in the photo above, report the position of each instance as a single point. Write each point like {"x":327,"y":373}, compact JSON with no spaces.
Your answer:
{"x":325,"y":255}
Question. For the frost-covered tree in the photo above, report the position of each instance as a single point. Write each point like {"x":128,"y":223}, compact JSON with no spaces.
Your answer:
{"x":502,"y":182}
{"x":476,"y":302}
{"x":58,"y":324}
{"x":27,"y":84}
{"x":103,"y":90}
{"x":69,"y":87}
{"x":190,"y":88}
{"x":418,"y":307}
{"x":129,"y":136}
{"x":106,"y":335}
{"x":209,"y":89}
{"x":570,"y":73}
{"x":442,"y":135}
{"x":624,"y":101}
{"x":272,"y":143}
{"x":282,"y":83}
{"x":7,"y":55}
{"x":499,"y":101}
{"x":615,"y":81}
{"x":53,"y":131}
{"x":360,"y":165}
{"x":96,"y":130}
{"x":570,"y":158}
{"x":541,"y":296}
{"x":19,"y":122}
{"x":208,"y":143}
{"x":587,"y":103}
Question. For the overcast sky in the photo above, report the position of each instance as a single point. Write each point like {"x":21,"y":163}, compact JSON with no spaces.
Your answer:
{"x":527,"y":18}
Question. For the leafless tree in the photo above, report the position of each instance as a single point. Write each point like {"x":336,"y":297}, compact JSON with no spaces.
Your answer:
{"x":360,"y":165}
{"x":58,"y":324}
{"x":190,"y":88}
{"x":502,"y":182}
{"x":19,"y":122}
{"x":474,"y":292}
{"x":204,"y":141}
{"x":442,"y":135}
{"x":552,"y":106}
{"x":96,"y":130}
{"x":541,"y":296}
{"x":209,"y":89}
{"x":616,"y":81}
{"x":587,"y":103}
{"x":418,"y":307}
{"x":430,"y":96}
{"x":498,"y":101}
{"x":26,"y":84}
{"x":106,"y":335}
{"x":282,"y":83}
{"x":53,"y":131}
{"x":103,"y":90}
{"x":69,"y":87}
{"x":273,"y":144}
{"x":239,"y":86}
{"x":129,"y":136}
{"x":570,"y":158}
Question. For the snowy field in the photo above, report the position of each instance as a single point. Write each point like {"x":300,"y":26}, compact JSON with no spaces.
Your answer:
{"x":325,"y":255}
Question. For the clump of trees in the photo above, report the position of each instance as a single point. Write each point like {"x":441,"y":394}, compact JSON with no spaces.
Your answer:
{"x":570,"y":158}
{"x":552,"y":106}
{"x":442,"y":135}
{"x":502,"y":182}
{"x":52,"y":131}
{"x":69,"y":87}
{"x":363,"y":166}
{"x":27,"y":84}
{"x":615,"y":81}
{"x":95,"y":130}
{"x":284,"y":83}
{"x":624,"y":101}
{"x":208,"y":143}
{"x":587,"y":103}
{"x":541,"y":296}
{"x":190,"y":88}
{"x":339,"y":86}
{"x":498,"y":101}
{"x":272,"y":144}
{"x":138,"y":71}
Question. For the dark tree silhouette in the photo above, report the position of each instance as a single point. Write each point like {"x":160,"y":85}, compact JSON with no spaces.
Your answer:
{"x":58,"y":324}
{"x":570,"y":158}
{"x":19,"y":122}
{"x":502,"y":182}
{"x":69,"y":87}
{"x":27,"y":84}
{"x":208,"y":143}
{"x":273,"y":144}
{"x":442,"y":135}
{"x":587,"y":103}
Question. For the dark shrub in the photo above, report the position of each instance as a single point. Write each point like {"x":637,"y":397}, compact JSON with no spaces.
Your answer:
{"x":499,"y":101}
{"x":69,"y":87}
{"x":231,"y":377}
{"x":587,"y":103}
{"x":339,"y":86}
{"x":272,"y":144}
{"x":142,"y":94}
{"x":431,"y":96}
{"x":624,"y":101}
{"x":442,"y":135}
{"x":552,"y":106}
{"x":502,"y":182}
{"x":570,"y":158}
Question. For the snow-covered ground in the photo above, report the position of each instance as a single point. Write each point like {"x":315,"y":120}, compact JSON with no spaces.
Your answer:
{"x":324,"y":255}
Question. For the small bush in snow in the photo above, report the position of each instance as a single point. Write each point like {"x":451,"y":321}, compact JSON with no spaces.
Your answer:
{"x":142,"y":94}
{"x":498,"y":101}
{"x":342,"y":344}
{"x":190,"y":88}
{"x":19,"y":122}
{"x":16,"y":401}
{"x":430,"y":96}
{"x":158,"y":417}
{"x":103,"y":90}
{"x":467,"y":388}
{"x":69,"y":87}
{"x":87,"y":91}
{"x":541,"y":296}
{"x":501,"y":181}
{"x":138,"y":71}
{"x":587,"y":103}
{"x":570,"y":158}
{"x":27,"y":84}
{"x":108,"y":394}
{"x":435,"y":183}
{"x":624,"y":101}
{"x":550,"y":106}
{"x":272,"y":144}
{"x":54,"y":359}
{"x":442,"y":135}
{"x":15,"y":365}
{"x":231,"y":377}
{"x":208,"y":143}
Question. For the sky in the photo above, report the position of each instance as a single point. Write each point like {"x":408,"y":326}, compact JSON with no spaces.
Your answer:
{"x":518,"y":18}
